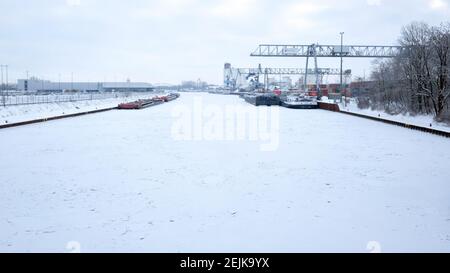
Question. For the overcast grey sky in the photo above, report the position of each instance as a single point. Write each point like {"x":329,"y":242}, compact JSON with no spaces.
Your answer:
{"x":173,"y":40}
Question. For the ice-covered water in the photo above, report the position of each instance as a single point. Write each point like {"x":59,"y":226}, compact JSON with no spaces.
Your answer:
{"x":119,"y":182}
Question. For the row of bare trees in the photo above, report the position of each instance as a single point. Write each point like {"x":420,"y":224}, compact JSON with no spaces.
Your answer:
{"x":418,"y":81}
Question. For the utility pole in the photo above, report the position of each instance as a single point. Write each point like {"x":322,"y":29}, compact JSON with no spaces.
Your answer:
{"x":1,"y":84}
{"x":7,"y":79}
{"x":1,"y":70}
{"x":4,"y":76}
{"x":7,"y":83}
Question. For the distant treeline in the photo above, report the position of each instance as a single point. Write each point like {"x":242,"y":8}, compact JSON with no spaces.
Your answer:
{"x":417,"y":82}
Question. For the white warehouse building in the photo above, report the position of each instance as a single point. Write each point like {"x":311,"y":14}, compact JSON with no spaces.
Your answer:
{"x":37,"y":85}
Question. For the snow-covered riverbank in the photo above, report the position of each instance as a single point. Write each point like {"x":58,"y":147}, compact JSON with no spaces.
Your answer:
{"x":419,"y":120}
{"x":19,"y":113}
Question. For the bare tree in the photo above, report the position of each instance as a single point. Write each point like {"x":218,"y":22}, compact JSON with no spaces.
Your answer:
{"x":440,"y":46}
{"x":419,"y":81}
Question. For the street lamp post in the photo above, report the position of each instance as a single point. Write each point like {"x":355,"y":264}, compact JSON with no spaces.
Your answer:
{"x":342,"y":61}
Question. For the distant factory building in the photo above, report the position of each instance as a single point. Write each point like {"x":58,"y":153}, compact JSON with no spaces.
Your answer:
{"x":37,"y":85}
{"x":126,"y":87}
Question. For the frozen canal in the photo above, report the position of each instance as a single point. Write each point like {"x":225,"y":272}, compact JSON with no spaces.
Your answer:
{"x":120,"y":182}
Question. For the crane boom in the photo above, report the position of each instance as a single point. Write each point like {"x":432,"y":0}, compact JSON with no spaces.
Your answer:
{"x":288,"y":71}
{"x":355,"y":51}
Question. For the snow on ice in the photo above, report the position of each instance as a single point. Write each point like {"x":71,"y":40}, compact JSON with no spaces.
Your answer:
{"x":119,"y":182}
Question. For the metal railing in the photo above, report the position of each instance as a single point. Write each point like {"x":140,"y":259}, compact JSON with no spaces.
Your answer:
{"x":7,"y":99}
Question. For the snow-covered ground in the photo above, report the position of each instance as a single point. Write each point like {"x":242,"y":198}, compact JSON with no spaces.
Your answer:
{"x":18,"y":113}
{"x":419,"y":120}
{"x":119,"y":182}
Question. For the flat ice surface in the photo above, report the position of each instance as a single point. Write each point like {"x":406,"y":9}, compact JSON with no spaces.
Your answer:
{"x":118,"y":182}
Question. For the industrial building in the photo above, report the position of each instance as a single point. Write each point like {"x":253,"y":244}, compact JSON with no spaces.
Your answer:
{"x":38,"y":85}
